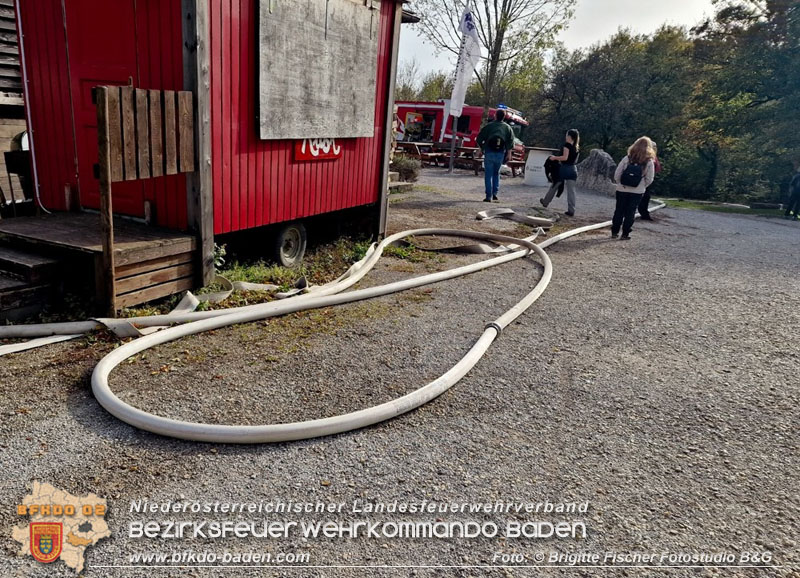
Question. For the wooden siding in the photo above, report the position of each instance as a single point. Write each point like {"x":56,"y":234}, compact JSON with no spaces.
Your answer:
{"x":49,"y":100}
{"x":10,"y":75}
{"x":259,"y":182}
{"x":160,"y":66}
{"x":160,"y":48}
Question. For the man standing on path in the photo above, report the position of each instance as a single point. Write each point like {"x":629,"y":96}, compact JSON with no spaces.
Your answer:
{"x":496,"y":139}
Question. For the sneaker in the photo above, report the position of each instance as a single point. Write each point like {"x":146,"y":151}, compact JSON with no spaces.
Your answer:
{"x":647,"y":218}
{"x":569,"y":214}
{"x":615,"y":235}
{"x":487,"y":200}
{"x":543,"y":203}
{"x":494,"y":198}
{"x":625,"y":238}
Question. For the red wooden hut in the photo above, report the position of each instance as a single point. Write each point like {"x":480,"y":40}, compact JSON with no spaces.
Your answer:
{"x":292,"y":105}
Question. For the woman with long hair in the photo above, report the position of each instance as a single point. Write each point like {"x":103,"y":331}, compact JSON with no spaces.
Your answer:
{"x":634,"y":174}
{"x":644,"y":204}
{"x":568,"y":174}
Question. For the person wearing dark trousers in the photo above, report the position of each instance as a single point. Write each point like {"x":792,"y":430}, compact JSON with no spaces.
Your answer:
{"x":644,"y":204}
{"x":496,"y":139}
{"x":634,"y":174}
{"x":794,"y":197}
{"x":568,"y":174}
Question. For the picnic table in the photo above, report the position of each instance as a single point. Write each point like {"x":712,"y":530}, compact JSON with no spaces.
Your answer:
{"x":465,"y":156}
{"x":424,"y":152}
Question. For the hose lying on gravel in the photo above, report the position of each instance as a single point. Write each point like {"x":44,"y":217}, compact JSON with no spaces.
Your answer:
{"x":185,"y":312}
{"x":323,"y":296}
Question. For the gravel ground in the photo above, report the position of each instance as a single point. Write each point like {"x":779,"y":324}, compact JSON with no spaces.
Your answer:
{"x":655,"y":379}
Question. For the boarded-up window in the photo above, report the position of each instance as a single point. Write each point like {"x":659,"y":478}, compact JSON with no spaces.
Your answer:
{"x":317,"y":68}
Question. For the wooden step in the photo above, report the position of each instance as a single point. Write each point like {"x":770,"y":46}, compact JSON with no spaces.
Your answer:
{"x":32,"y":267}
{"x":400,"y":187}
{"x":9,"y":283}
{"x":19,"y":300}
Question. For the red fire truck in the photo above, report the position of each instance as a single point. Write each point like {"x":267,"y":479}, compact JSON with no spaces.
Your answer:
{"x":429,"y":122}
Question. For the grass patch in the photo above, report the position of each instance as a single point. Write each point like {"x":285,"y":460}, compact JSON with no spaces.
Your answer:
{"x":407,"y":253}
{"x":430,"y":189}
{"x":321,"y":264}
{"x":696,"y":206}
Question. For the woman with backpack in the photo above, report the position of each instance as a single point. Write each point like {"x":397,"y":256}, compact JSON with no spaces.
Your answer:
{"x":567,"y":172}
{"x":644,"y":204}
{"x":634,"y":174}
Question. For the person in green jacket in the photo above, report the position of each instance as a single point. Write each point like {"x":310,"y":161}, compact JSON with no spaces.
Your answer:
{"x":496,"y":139}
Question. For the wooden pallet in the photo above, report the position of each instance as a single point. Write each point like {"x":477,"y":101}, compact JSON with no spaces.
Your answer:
{"x":141,"y":276}
{"x":142,"y":134}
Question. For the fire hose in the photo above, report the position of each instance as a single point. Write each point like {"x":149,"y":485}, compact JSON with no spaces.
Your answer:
{"x":328,"y":295}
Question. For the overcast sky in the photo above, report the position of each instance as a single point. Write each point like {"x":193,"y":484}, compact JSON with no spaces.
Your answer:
{"x":594,"y":21}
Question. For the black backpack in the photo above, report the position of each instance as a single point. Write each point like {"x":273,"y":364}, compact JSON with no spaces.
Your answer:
{"x":632,"y":175}
{"x":496,"y":144}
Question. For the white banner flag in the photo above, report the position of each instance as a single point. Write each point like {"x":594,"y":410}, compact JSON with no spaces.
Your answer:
{"x":468,"y":60}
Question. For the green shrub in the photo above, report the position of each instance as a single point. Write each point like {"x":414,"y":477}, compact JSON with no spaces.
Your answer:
{"x":407,"y":167}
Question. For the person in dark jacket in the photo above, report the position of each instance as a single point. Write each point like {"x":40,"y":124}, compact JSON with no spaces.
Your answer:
{"x":496,"y":139}
{"x":568,"y":173}
{"x":552,"y":170}
{"x":794,"y":197}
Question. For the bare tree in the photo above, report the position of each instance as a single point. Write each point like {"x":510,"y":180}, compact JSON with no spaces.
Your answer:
{"x":408,"y":80}
{"x":508,"y":30}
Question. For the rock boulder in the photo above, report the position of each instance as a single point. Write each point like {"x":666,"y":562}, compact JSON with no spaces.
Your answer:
{"x":596,"y":172}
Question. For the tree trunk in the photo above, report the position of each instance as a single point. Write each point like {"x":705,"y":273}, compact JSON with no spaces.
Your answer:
{"x":491,"y":73}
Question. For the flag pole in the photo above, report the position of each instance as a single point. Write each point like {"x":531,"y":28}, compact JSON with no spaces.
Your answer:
{"x":468,"y":57}
{"x":455,"y":119}
{"x":453,"y":144}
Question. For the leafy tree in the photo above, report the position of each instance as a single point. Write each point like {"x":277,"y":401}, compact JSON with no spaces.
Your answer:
{"x":616,"y":91}
{"x":525,"y":78}
{"x":436,"y":85}
{"x":750,"y":53}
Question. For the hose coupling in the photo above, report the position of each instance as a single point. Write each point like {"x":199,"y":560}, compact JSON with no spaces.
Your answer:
{"x":494,"y":326}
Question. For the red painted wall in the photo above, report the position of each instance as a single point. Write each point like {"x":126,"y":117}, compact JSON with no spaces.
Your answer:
{"x":258,"y":182}
{"x":49,"y":102}
{"x":159,"y":65}
{"x":159,"y":40}
{"x":255,"y":182}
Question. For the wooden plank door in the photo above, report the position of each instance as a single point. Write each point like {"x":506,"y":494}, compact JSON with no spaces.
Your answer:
{"x":101,"y":38}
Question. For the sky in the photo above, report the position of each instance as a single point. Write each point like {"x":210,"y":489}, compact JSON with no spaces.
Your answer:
{"x":594,"y":21}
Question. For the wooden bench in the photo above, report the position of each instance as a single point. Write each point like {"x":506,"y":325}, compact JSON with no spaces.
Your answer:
{"x":516,"y":165}
{"x":417,"y":151}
